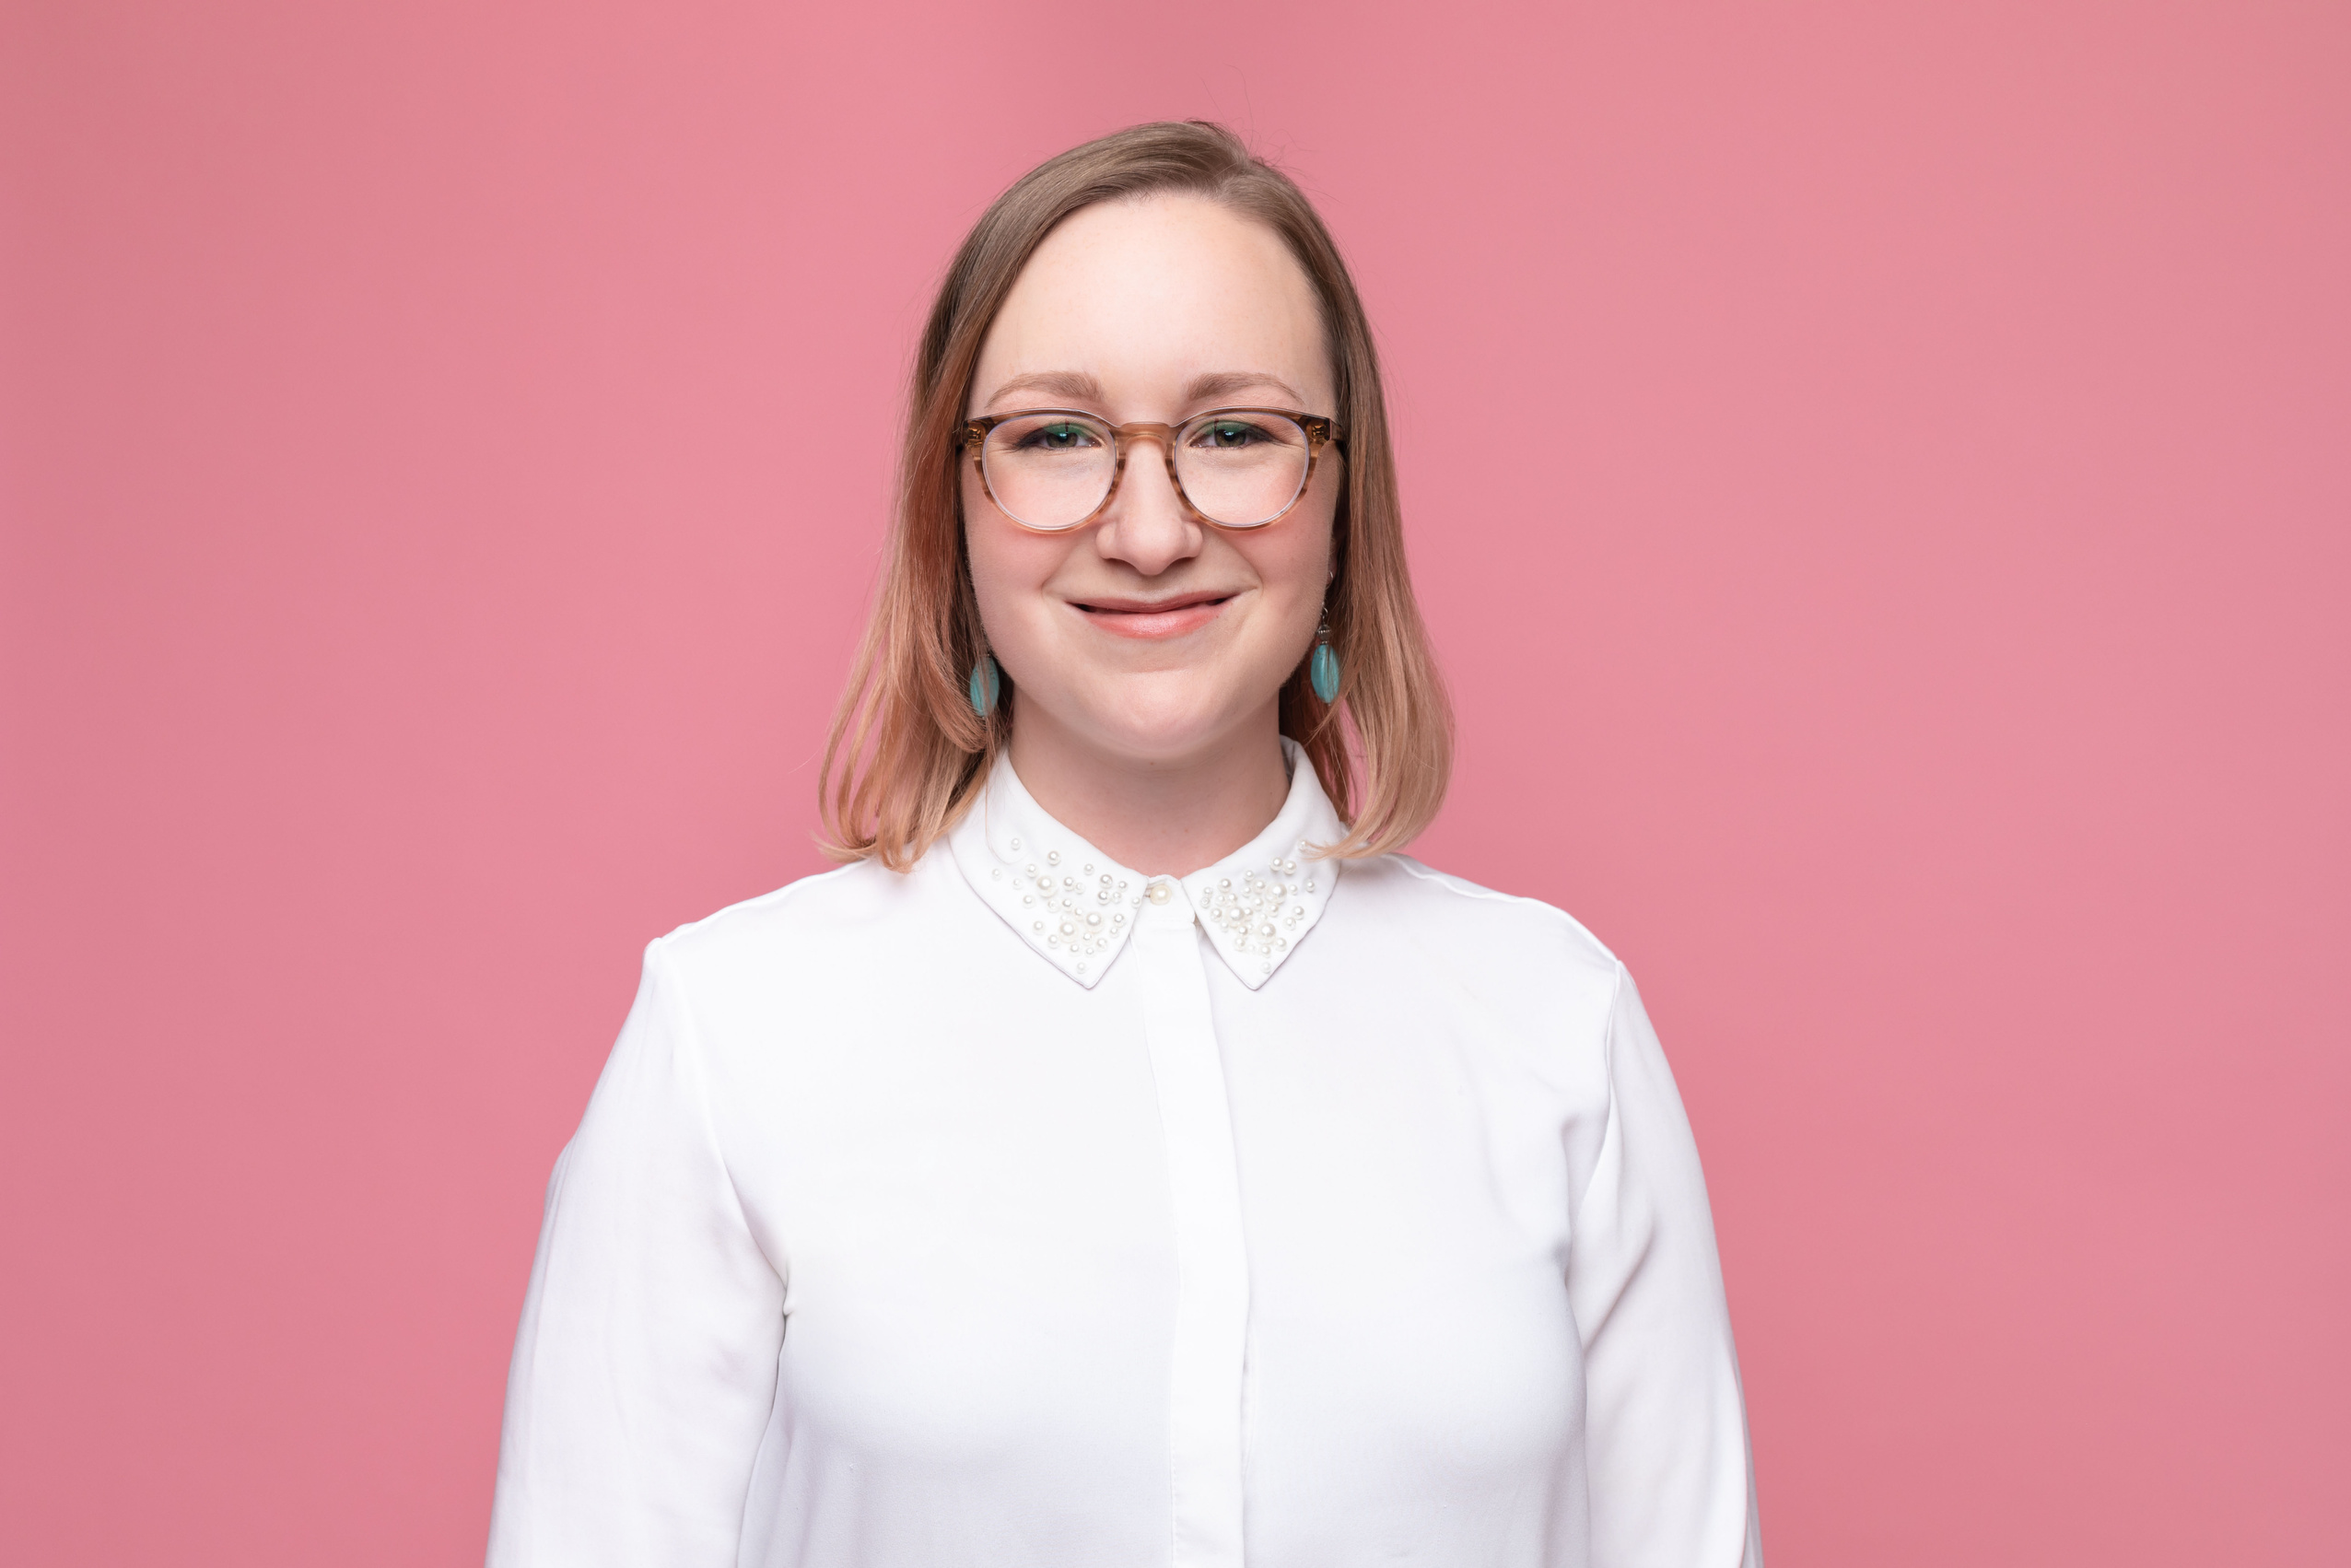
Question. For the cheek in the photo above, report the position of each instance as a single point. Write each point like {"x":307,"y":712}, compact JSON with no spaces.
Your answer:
{"x":993,"y":548}
{"x":1009,"y":570}
{"x":1294,"y":564}
{"x":1292,"y":578}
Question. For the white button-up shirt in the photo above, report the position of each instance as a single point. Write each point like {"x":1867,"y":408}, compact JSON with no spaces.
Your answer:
{"x":1024,"y":1209}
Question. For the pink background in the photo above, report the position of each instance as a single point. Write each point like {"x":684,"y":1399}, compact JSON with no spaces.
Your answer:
{"x":1877,"y":475}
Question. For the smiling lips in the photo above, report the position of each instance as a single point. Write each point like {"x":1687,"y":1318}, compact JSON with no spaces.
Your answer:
{"x":1153,"y":618}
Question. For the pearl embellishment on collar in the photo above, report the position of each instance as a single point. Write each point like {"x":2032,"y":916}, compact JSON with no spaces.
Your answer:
{"x":1075,"y":908}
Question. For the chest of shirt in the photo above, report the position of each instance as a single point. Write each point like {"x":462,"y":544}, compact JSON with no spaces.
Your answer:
{"x":968,"y":1174}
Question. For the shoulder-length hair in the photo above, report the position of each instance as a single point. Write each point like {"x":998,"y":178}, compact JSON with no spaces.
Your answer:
{"x":907,"y":754}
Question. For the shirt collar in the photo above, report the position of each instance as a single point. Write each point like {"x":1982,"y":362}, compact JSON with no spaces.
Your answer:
{"x":1076,"y":907}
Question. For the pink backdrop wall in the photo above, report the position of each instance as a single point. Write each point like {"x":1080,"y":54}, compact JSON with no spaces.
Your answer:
{"x":1877,"y":475}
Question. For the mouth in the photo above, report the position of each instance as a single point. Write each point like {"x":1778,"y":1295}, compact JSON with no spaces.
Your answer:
{"x":1153,"y":618}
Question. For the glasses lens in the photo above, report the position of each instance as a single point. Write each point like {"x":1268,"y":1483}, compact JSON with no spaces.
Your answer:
{"x":1242,"y":468}
{"x":1050,"y":470}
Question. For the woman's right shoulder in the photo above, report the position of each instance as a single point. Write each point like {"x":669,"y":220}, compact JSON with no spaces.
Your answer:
{"x":826,"y":929}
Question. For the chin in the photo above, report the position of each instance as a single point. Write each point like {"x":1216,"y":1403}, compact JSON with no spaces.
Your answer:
{"x":1147,"y":720}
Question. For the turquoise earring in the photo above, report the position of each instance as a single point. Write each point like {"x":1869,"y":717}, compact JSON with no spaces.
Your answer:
{"x":983,"y":686}
{"x":1321,"y":669}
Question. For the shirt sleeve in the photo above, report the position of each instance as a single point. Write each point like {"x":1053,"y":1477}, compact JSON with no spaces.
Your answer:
{"x":644,"y":1369}
{"x":1672,"y":1476}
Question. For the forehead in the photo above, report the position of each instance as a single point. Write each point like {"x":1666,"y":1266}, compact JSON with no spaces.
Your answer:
{"x":1144,"y":296}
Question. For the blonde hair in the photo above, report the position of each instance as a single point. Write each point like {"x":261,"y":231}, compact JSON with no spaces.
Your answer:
{"x":906,"y":755}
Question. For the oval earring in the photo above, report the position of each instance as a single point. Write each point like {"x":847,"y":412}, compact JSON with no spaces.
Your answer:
{"x":1321,"y":669}
{"x":983,"y":689}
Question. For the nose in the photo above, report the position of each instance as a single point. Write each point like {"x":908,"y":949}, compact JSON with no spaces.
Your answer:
{"x":1146,"y":526}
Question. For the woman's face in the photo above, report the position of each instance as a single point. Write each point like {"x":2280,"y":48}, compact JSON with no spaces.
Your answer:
{"x":1146,"y":636}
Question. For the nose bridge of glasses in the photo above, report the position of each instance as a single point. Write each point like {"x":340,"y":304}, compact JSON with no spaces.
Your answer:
{"x":1124,"y":438}
{"x":1146,"y":430}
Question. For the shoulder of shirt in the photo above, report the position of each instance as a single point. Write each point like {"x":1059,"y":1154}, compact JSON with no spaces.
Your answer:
{"x":827,"y":904}
{"x":1409,"y":878}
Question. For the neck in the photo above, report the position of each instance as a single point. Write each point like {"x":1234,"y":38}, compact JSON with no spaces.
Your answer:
{"x":1159,"y":816}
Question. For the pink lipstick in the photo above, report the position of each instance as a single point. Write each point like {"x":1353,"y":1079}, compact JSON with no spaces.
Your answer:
{"x":1153,"y":618}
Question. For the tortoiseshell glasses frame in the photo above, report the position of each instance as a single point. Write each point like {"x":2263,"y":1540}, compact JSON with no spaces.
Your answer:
{"x":1318,"y":432}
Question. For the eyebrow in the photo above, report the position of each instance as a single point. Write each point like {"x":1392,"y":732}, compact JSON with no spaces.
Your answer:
{"x":1071,"y":386}
{"x":1224,"y":383}
{"x":1077,"y":387}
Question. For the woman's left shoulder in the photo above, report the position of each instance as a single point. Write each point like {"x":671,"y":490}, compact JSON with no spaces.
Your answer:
{"x":1454,"y":912}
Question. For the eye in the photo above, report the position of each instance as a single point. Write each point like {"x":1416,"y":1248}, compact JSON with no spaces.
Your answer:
{"x":1060,"y":436}
{"x":1228,"y":434}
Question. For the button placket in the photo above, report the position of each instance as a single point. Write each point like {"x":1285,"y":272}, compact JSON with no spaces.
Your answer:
{"x":1207,"y":1353}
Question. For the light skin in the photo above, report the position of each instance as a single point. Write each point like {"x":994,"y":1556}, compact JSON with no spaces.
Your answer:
{"x":1148,"y":650}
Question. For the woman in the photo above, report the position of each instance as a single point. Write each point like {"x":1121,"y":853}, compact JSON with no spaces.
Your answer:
{"x":1130,"y":1158}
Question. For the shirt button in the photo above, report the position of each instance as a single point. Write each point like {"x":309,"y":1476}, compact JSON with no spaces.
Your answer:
{"x":1159,"y":893}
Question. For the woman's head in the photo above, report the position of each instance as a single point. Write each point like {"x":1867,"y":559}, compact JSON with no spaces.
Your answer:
{"x":1143,"y":630}
{"x":1151,"y":277}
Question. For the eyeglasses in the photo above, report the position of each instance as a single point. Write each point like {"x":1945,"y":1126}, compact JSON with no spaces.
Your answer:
{"x":1052,"y":469}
